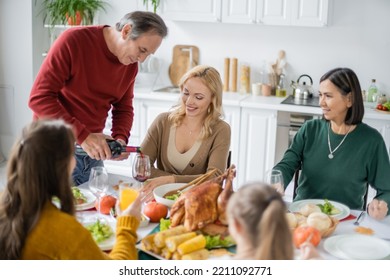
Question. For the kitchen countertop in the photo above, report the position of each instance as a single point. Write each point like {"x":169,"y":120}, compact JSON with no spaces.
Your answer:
{"x":259,"y":102}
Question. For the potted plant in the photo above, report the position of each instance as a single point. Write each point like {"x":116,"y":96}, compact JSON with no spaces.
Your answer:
{"x":72,"y":12}
{"x":155,"y":4}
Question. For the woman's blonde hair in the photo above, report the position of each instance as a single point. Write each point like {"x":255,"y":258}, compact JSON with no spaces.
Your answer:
{"x":212,"y":80}
{"x":261,"y":211}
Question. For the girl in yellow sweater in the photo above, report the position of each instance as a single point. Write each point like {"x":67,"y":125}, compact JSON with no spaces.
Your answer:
{"x":31,"y":227}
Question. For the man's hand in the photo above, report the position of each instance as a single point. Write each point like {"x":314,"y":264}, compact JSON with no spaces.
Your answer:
{"x":123,"y":155}
{"x":96,"y":147}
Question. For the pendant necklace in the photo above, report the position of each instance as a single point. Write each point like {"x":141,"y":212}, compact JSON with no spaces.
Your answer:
{"x":189,"y":128}
{"x":330,"y":156}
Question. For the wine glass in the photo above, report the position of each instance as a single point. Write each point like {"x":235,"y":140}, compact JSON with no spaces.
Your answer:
{"x":275,"y":179}
{"x":141,"y":168}
{"x":98,"y":183}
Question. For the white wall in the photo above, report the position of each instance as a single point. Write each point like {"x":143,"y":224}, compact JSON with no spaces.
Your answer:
{"x":15,"y":68}
{"x":357,"y":37}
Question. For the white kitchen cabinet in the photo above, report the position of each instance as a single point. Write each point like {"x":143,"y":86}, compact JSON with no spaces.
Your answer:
{"x":149,"y":110}
{"x":257,"y":144}
{"x":239,"y":11}
{"x":267,"y":12}
{"x":190,"y":10}
{"x":293,"y":12}
{"x":232,"y":117}
{"x":383,"y":126}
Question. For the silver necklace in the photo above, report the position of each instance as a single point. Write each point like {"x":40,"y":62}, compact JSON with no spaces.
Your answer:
{"x":330,"y":156}
{"x":190,"y":130}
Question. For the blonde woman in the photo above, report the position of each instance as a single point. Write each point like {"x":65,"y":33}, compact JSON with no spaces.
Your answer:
{"x":257,"y":222}
{"x":191,"y":139}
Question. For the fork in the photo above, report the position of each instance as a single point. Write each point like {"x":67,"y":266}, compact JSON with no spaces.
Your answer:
{"x":359,"y":218}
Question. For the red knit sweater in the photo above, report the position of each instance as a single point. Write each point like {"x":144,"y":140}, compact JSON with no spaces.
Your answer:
{"x":79,"y":81}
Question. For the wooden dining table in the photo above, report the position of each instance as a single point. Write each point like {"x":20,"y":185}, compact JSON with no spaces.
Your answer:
{"x":381,"y":229}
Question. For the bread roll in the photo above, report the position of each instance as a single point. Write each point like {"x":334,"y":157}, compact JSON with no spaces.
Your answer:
{"x":320,"y":221}
{"x":309,"y":208}
{"x":292,"y":220}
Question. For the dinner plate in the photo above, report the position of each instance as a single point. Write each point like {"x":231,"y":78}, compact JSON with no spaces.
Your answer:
{"x":90,"y":203}
{"x":231,"y":249}
{"x":211,"y":257}
{"x":297,"y":205}
{"x":109,"y":243}
{"x":357,"y":247}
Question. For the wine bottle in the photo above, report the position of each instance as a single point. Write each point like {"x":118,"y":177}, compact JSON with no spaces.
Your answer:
{"x":116,"y":148}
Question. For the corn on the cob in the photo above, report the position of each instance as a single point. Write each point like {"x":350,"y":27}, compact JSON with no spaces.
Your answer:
{"x":156,"y":250}
{"x":192,"y":245}
{"x":201,"y":254}
{"x":176,"y":256}
{"x":147,"y":242}
{"x":161,"y":236}
{"x":165,"y":253}
{"x":173,"y":241}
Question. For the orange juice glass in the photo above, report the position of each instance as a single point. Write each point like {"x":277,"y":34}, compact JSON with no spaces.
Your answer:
{"x":128,"y":192}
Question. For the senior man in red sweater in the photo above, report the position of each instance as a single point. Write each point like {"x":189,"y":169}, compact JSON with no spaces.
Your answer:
{"x":90,"y":70}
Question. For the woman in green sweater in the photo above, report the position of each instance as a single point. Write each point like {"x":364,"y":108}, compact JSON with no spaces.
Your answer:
{"x":338,"y":154}
{"x":31,"y":226}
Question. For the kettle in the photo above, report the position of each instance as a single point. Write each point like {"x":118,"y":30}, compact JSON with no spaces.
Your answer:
{"x":302,"y":90}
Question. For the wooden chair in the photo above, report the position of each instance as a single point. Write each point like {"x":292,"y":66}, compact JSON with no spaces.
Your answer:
{"x":229,"y":159}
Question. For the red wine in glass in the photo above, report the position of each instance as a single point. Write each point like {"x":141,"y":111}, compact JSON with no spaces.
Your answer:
{"x":141,"y":168}
{"x":141,"y":178}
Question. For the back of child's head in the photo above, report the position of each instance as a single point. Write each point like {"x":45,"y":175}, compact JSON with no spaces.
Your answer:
{"x":261,"y":212}
{"x":39,"y":161}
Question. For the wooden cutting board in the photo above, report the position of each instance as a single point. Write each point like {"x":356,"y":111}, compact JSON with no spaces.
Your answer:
{"x":181,"y":61}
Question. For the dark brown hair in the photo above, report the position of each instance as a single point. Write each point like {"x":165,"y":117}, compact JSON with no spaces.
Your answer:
{"x":347,"y":82}
{"x":37,"y":171}
{"x":261,"y":211}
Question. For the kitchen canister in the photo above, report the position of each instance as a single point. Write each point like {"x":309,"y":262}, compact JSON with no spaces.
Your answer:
{"x":245,"y":79}
{"x":266,"y":89}
{"x":226,"y":74}
{"x":256,"y":89}
{"x":233,"y":71}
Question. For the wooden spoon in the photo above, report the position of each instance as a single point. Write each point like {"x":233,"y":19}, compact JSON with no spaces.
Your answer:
{"x":194,"y":182}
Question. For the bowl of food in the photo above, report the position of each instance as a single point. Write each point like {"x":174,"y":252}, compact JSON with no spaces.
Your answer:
{"x":160,"y":192}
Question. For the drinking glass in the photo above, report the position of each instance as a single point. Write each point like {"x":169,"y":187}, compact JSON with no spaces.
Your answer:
{"x":128,"y":192}
{"x":275,"y":179}
{"x":141,"y":168}
{"x":98,"y":183}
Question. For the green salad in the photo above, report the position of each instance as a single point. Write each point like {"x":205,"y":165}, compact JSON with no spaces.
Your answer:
{"x":99,"y":231}
{"x":78,"y":195}
{"x":328,"y":208}
{"x":173,"y":197}
{"x":217,"y":241}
